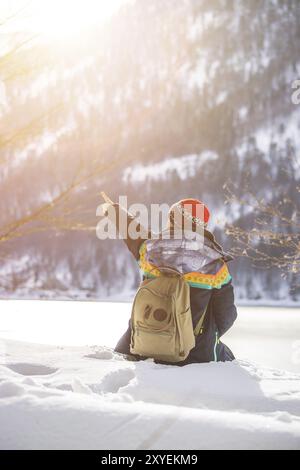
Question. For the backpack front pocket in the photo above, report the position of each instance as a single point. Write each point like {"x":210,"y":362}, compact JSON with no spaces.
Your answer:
{"x":153,"y":343}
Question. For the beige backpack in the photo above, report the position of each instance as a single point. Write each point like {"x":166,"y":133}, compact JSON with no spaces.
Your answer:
{"x":161,"y":319}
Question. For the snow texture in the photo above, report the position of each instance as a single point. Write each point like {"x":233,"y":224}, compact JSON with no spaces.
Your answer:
{"x":89,"y":397}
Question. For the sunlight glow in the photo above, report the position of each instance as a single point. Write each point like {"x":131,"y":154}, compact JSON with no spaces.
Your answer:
{"x":59,"y":18}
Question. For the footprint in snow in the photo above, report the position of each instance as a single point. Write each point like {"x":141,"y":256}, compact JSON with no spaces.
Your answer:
{"x":31,"y":369}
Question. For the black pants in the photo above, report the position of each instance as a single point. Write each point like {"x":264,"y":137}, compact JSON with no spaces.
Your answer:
{"x":224,"y":353}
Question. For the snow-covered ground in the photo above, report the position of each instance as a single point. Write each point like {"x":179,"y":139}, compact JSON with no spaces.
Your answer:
{"x":61,"y":386}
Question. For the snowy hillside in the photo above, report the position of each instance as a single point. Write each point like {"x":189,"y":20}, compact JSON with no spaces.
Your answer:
{"x":67,"y":395}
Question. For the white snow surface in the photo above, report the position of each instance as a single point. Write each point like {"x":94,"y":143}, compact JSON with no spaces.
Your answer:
{"x":73,"y":392}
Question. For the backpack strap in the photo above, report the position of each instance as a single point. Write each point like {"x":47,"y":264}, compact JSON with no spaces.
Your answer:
{"x":199,"y":327}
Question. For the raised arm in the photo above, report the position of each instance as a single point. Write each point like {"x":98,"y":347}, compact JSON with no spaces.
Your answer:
{"x":126,"y":225}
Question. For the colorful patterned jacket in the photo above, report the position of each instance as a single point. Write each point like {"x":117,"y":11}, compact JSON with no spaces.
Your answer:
{"x":202,"y":262}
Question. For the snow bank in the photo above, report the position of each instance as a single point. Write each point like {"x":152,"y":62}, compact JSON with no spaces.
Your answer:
{"x":91,"y":398}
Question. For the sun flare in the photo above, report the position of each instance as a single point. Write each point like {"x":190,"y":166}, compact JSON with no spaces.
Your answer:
{"x":62,"y":18}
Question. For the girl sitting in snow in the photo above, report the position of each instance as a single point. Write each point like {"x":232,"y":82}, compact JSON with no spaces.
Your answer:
{"x":202,"y":263}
